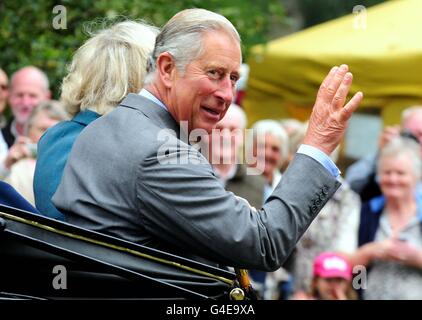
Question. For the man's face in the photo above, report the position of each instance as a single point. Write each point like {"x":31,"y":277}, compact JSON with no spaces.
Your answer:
{"x":205,"y":91}
{"x":226,"y":139}
{"x":25,"y":94}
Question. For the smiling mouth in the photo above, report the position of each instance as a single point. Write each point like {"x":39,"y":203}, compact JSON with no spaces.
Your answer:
{"x":211,"y":111}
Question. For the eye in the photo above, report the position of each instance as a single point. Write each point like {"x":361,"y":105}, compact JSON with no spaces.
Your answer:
{"x":234,"y":78}
{"x":215,"y":74}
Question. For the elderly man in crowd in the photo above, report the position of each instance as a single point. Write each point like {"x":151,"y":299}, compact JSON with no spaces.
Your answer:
{"x":131,"y":175}
{"x":28,"y":88}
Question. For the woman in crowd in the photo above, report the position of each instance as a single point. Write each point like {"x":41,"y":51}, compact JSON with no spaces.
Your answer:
{"x":390,"y":233}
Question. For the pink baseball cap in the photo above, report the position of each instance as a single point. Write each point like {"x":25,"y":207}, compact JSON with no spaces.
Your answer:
{"x":332,"y":265}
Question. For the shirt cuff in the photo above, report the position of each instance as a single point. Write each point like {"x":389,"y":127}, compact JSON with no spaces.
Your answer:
{"x":321,"y":157}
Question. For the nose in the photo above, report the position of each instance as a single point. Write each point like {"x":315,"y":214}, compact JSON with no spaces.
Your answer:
{"x":391,"y":178}
{"x":225,"y":91}
{"x":27,"y":100}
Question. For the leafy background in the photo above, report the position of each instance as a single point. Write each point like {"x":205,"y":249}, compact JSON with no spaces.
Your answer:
{"x":27,"y":36}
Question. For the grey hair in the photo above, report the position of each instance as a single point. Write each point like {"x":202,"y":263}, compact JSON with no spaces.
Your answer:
{"x":54,"y":110}
{"x":182,"y":36}
{"x":44,"y":79}
{"x":408,"y":112}
{"x":403,"y":146}
{"x":111,"y":64}
{"x":272,"y":127}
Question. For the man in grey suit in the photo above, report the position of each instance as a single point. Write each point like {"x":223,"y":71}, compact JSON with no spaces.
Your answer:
{"x":130,"y":174}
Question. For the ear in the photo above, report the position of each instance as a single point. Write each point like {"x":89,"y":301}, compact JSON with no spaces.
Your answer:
{"x":166,"y":68}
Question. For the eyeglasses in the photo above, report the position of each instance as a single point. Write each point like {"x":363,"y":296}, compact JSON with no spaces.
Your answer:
{"x":405,"y":133}
{"x":4,"y":86}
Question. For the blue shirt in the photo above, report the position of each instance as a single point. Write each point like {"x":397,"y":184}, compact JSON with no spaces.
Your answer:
{"x":146,"y":94}
{"x":53,"y":150}
{"x":321,"y":157}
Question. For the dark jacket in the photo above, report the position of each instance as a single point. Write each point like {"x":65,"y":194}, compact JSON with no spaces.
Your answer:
{"x":249,"y":187}
{"x":370,"y":217}
{"x":8,"y":136}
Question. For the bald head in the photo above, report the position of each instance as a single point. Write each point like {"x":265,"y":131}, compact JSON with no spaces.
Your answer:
{"x":412,"y":121}
{"x":234,"y":117}
{"x":227,"y":137}
{"x":28,"y":88}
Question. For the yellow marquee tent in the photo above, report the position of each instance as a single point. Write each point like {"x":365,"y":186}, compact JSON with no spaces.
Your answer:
{"x":382,"y":46}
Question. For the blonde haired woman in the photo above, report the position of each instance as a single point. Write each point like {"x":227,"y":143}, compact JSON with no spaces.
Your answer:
{"x":110,"y":65}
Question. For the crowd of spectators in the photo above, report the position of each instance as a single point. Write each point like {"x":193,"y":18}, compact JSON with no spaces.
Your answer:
{"x":373,"y":221}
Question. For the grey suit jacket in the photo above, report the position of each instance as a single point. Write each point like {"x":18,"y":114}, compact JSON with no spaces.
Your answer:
{"x":249,"y":187}
{"x":127,"y":178}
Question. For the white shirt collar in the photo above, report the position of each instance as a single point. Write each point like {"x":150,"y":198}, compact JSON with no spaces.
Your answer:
{"x":146,"y":94}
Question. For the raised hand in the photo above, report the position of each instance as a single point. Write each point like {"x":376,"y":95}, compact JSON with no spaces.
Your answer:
{"x":387,"y":135}
{"x":330,"y":115}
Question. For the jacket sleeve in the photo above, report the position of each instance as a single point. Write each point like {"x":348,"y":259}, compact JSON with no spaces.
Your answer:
{"x":182,"y":202}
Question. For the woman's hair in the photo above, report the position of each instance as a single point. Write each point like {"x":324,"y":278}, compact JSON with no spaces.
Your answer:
{"x":111,"y":64}
{"x":402,"y":146}
{"x":52,"y":108}
{"x":272,"y":127}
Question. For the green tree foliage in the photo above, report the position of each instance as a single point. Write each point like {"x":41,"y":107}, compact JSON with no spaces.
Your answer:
{"x":27,"y":35}
{"x":318,"y":11}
